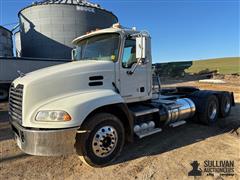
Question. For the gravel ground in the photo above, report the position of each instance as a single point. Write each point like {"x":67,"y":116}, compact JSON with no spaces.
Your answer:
{"x":166,"y":155}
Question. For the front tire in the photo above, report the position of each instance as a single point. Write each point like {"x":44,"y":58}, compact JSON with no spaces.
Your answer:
{"x":103,"y":140}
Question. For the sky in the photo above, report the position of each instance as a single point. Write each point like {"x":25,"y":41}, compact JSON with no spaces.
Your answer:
{"x":181,"y":30}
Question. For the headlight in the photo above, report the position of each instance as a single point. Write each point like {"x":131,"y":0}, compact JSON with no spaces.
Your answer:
{"x":53,"y":116}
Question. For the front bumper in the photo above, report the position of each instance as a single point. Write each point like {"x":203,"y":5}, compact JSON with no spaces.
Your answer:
{"x":45,"y":142}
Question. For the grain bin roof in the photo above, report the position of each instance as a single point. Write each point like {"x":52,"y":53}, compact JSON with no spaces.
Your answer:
{"x":67,"y":2}
{"x":73,"y":2}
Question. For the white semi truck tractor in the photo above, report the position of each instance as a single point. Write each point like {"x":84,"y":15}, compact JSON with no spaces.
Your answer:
{"x":104,"y":98}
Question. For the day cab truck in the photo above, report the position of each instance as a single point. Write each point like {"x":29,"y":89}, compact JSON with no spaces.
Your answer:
{"x":104,"y":98}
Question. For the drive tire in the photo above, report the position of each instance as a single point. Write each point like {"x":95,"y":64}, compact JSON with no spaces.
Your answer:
{"x":210,"y":112}
{"x":225,"y":104}
{"x":87,"y":143}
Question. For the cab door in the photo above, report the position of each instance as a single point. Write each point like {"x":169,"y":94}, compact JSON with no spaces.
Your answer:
{"x":133,"y":87}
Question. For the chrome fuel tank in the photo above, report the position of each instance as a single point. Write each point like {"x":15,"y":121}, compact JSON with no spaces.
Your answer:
{"x":177,"y":110}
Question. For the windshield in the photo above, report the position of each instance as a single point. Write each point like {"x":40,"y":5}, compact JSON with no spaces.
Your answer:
{"x":101,"y":47}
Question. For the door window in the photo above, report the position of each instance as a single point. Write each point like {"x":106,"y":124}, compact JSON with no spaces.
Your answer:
{"x":129,"y":53}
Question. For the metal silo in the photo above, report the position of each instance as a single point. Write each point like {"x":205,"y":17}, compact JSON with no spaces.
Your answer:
{"x":47,"y":28}
{"x":6,"y":44}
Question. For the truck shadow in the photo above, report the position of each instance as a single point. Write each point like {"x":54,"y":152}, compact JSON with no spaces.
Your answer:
{"x":174,"y":138}
{"x":14,"y":157}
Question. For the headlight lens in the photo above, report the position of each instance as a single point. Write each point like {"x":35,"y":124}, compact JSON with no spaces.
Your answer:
{"x":53,"y":116}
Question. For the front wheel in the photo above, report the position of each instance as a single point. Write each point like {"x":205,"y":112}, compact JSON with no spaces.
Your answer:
{"x":103,"y":140}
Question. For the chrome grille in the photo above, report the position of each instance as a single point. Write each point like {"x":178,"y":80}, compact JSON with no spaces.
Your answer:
{"x":15,"y":102}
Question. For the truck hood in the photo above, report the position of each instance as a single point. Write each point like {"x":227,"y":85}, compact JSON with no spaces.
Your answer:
{"x":65,"y":70}
{"x":52,"y":83}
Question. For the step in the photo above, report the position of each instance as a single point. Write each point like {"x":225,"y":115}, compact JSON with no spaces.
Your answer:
{"x":145,"y":112}
{"x":176,"y":124}
{"x":145,"y":133}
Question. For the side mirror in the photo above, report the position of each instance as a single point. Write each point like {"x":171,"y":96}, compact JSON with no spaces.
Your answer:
{"x":141,"y":47}
{"x":73,"y":53}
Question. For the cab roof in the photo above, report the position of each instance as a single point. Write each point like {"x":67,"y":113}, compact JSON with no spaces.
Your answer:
{"x":121,"y":31}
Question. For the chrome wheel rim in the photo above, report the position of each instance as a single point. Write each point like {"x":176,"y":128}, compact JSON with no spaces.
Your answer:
{"x":227,"y":106}
{"x":104,"y":141}
{"x":213,"y":111}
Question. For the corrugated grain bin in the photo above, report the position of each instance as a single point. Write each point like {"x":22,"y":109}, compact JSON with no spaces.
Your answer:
{"x":47,"y":28}
{"x":6,"y":44}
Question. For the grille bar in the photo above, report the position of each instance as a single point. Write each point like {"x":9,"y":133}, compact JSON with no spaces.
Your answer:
{"x":15,"y":102}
